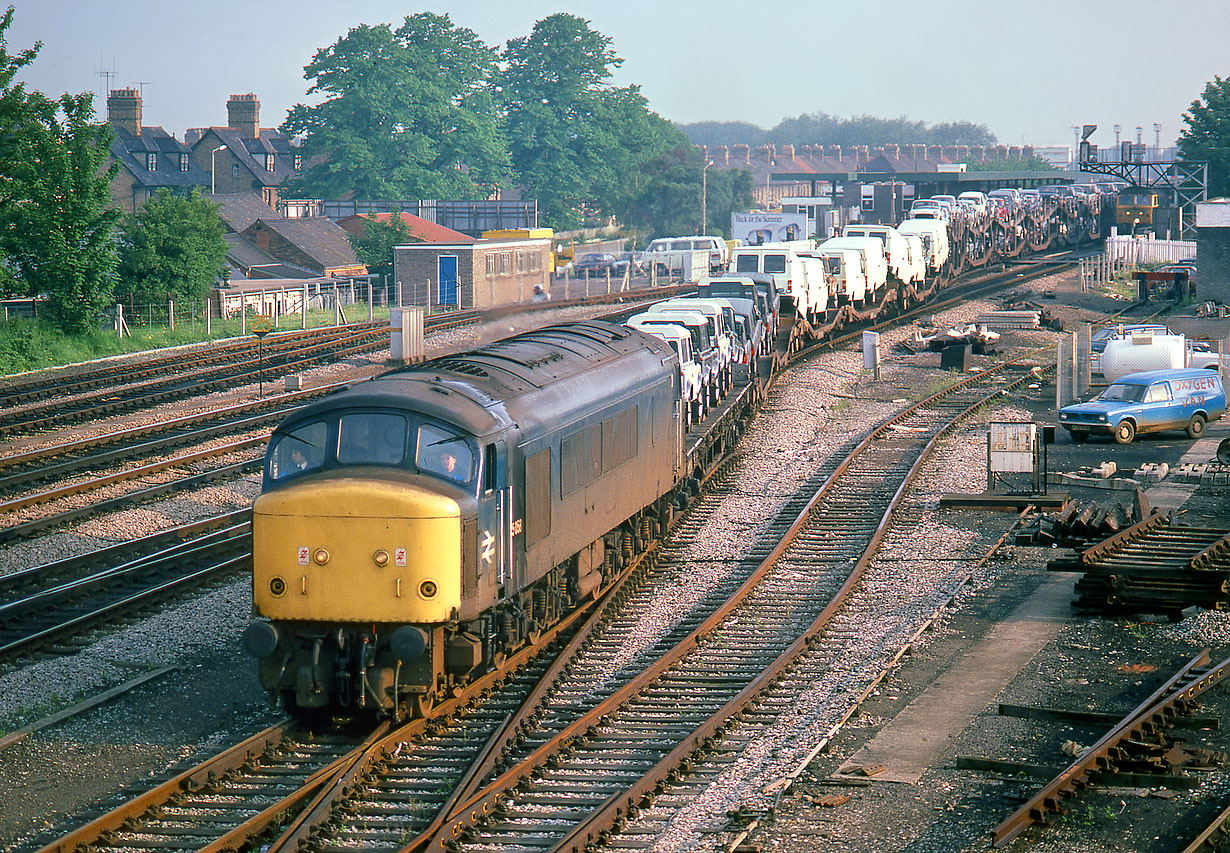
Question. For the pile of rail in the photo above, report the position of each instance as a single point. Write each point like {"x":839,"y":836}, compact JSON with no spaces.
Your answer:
{"x":1078,"y":525}
{"x":1154,"y":566}
{"x":1176,"y":696}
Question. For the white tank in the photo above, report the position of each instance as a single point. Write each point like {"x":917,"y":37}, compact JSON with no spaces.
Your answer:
{"x":1132,"y":354}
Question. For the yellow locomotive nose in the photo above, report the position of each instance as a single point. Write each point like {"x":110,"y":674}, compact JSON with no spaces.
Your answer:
{"x":352,"y":550}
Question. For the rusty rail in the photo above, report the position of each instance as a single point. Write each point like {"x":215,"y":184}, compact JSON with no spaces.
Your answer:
{"x":1124,"y":536}
{"x":1212,"y":838}
{"x":473,"y":810}
{"x":225,"y":762}
{"x":1169,"y":699}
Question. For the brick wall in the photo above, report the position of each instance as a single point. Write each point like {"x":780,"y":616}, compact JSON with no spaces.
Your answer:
{"x":224,"y":181}
{"x":489,"y":273}
{"x":122,"y":189}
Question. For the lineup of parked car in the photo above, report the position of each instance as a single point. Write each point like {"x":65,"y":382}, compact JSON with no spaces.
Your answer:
{"x":1008,"y":203}
{"x":730,"y":322}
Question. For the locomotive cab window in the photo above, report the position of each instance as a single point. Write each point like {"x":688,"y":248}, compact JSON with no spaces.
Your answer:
{"x":299,"y":451}
{"x":372,"y":438}
{"x":444,"y":453}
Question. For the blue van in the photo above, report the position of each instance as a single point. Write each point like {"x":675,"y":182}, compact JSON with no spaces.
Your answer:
{"x":1147,"y":402}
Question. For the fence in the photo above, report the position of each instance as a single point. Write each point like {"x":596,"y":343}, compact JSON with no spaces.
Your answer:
{"x":1146,"y":250}
{"x":1125,"y":254}
{"x":229,"y":312}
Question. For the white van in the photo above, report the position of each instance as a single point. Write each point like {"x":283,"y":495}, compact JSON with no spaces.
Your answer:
{"x":719,"y":328}
{"x":901,"y":261}
{"x":691,"y":371}
{"x":846,"y":269}
{"x":875,"y":264}
{"x":934,"y":236}
{"x":667,"y":252}
{"x":796,"y":279}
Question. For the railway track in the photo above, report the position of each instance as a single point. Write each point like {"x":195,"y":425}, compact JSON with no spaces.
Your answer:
{"x":157,"y":378}
{"x":805,"y":602}
{"x":79,"y":379}
{"x":53,"y":605}
{"x":95,"y":404}
{"x":571,"y":787}
{"x":241,"y":794}
{"x":418,"y":768}
{"x":89,"y":454}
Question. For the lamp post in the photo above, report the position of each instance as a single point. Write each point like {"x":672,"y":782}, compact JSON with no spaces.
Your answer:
{"x":213,"y":168}
{"x":704,"y":195}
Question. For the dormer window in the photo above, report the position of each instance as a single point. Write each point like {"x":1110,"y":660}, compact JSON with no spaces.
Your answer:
{"x":151,"y":162}
{"x":270,"y":162}
{"x":183,"y":162}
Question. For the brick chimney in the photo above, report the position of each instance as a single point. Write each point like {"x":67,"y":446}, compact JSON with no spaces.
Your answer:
{"x":786,"y":152}
{"x":740,"y":155}
{"x":124,"y":110}
{"x":243,"y":113}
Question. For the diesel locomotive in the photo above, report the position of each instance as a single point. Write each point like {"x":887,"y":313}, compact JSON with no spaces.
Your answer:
{"x":416,"y":528}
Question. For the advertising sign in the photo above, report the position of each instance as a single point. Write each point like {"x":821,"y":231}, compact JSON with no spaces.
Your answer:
{"x":756,"y":227}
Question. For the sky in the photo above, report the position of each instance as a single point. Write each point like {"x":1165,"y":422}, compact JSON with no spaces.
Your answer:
{"x":1029,"y":72}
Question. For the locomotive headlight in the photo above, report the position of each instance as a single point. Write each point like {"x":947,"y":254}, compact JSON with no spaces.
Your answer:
{"x":277,"y":586}
{"x":428,"y":589}
{"x":321,"y":556}
{"x":381,"y":558}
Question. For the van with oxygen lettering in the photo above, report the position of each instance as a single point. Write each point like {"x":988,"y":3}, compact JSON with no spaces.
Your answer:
{"x":1151,"y":401}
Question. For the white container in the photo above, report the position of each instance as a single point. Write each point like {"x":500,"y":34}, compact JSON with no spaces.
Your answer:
{"x":1143,"y":352}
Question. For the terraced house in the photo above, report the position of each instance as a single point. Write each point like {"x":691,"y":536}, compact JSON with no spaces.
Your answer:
{"x":243,"y":156}
{"x":150,"y":158}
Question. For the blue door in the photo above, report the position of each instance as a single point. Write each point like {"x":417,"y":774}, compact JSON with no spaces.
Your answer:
{"x":446,"y":275}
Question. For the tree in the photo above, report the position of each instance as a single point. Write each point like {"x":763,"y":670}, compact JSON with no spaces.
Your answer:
{"x":172,"y":248}
{"x":713,"y":133}
{"x":374,"y":247}
{"x":668,"y":199}
{"x":55,"y":221}
{"x":409,"y":113}
{"x":575,"y":141}
{"x":1206,"y":135}
{"x":824,"y":129}
{"x":1018,"y":164}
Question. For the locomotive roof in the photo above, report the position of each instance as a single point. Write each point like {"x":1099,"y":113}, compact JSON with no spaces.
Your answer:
{"x":532,"y":359}
{"x":468,"y":388}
